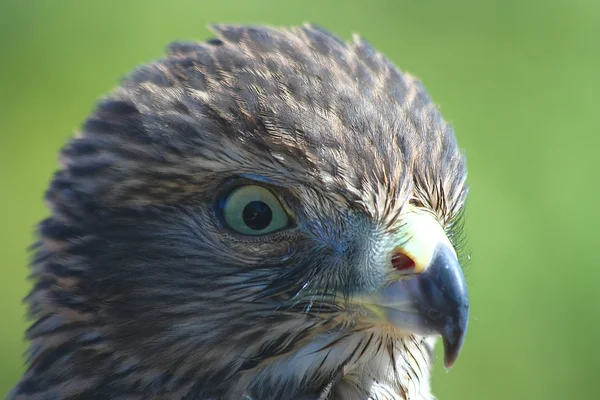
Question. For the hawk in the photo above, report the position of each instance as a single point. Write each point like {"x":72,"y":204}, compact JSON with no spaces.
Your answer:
{"x":271,"y":214}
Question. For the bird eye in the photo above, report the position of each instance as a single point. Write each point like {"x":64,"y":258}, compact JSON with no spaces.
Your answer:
{"x":254,"y":210}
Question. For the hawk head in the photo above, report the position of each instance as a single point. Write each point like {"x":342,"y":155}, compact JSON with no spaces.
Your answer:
{"x":271,"y":214}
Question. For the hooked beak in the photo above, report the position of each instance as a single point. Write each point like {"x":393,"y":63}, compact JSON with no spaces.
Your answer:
{"x":428,"y":293}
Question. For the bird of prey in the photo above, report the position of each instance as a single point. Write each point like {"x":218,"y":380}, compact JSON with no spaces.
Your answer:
{"x":271,"y":214}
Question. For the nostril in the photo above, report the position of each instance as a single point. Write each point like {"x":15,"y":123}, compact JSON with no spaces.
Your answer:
{"x":401,"y":262}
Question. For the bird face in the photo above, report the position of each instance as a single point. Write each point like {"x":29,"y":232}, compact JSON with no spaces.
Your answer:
{"x":270,"y":214}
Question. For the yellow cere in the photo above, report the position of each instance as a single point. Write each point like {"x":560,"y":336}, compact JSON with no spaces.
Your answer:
{"x":419,"y":236}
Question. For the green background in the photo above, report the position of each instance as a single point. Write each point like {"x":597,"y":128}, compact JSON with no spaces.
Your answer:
{"x":519,"y":80}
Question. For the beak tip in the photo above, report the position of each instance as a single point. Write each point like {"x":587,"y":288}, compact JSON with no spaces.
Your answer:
{"x":451,"y":352}
{"x":453,"y":338}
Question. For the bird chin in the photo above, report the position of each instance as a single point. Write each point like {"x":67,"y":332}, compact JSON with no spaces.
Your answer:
{"x":389,"y":353}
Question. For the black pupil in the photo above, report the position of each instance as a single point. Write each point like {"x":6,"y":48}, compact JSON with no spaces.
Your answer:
{"x":257,"y":215}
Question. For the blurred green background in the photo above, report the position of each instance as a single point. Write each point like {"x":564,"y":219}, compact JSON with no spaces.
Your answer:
{"x":519,"y":80}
